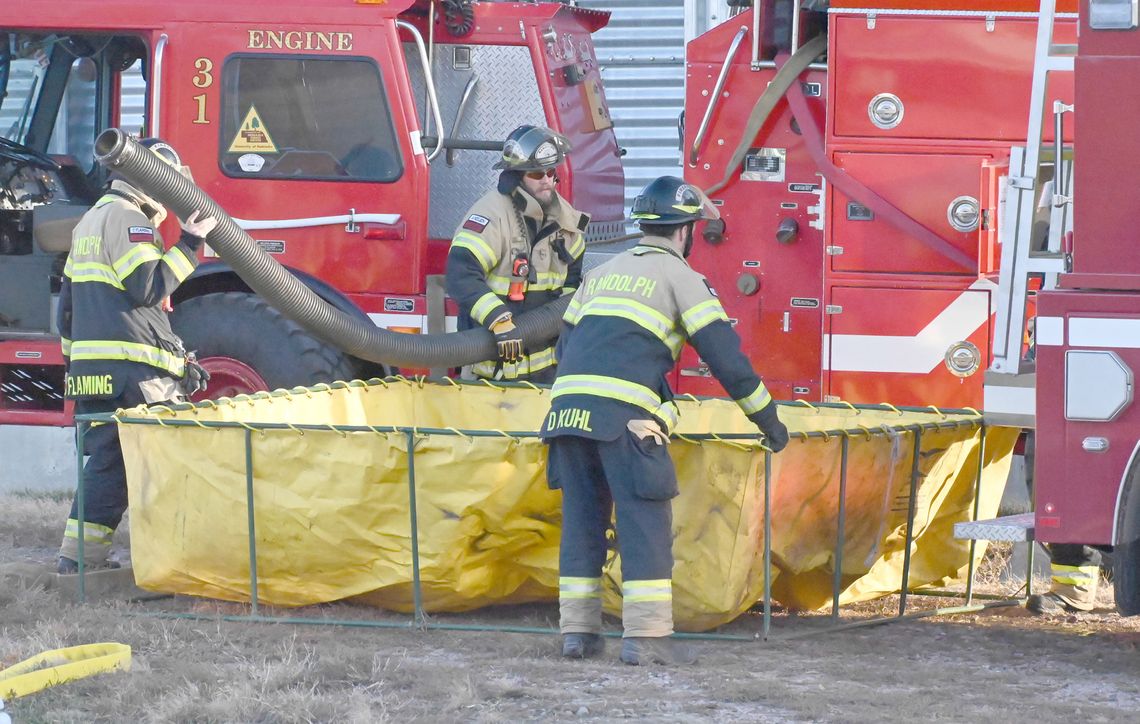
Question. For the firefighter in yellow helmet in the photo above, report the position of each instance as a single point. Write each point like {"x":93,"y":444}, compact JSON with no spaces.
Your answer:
{"x":612,"y":413}
{"x":117,"y":342}
{"x":519,"y":247}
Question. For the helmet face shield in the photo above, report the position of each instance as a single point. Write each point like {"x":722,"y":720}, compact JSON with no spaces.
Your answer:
{"x":693,"y":200}
{"x":669,"y":200}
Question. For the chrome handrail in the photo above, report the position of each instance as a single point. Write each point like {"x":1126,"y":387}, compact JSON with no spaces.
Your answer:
{"x":1060,"y":185}
{"x":463,"y":100}
{"x":433,"y":102}
{"x":699,"y":138}
{"x":154,"y":127}
{"x":795,"y":28}
{"x":755,"y":34}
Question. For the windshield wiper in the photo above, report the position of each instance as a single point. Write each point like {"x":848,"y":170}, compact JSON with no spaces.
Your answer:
{"x":16,"y":132}
{"x":5,"y":67}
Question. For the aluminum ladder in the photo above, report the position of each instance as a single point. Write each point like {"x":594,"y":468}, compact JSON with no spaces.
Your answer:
{"x":1010,"y":383}
{"x":1010,"y":394}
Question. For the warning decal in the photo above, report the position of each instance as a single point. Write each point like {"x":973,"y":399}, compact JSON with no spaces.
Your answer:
{"x":252,"y":137}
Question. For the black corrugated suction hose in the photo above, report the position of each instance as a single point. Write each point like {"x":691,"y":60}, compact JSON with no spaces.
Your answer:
{"x":265,"y":275}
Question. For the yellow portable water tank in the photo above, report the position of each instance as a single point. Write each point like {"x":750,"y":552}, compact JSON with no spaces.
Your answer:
{"x":329,"y":471}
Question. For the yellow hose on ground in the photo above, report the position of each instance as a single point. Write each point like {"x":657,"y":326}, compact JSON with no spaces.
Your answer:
{"x":60,"y":666}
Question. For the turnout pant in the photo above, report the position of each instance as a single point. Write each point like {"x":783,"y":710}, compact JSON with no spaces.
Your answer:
{"x":104,"y":485}
{"x":1076,"y":573}
{"x":635,"y":477}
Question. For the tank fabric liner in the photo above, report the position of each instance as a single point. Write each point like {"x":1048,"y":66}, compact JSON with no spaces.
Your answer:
{"x":332,"y":506}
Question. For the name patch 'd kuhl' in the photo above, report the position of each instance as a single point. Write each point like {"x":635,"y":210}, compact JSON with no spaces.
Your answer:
{"x":141,"y":234}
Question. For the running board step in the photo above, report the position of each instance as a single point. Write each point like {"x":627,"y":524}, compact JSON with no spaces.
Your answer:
{"x":1006,"y":528}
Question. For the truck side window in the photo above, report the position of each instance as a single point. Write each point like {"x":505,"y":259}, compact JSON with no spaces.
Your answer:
{"x":302,"y":117}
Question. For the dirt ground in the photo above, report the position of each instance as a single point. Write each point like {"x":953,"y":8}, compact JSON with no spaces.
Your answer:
{"x":1001,"y":664}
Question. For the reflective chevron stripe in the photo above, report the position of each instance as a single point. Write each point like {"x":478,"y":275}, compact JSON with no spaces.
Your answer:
{"x":1075,"y":575}
{"x":484,"y":306}
{"x":614,"y":388}
{"x":579,"y":587}
{"x":91,"y":271}
{"x":479,"y":248}
{"x":136,"y":257}
{"x":129,"y":351}
{"x":640,"y":591}
{"x":92,"y":532}
{"x":178,"y":263}
{"x":757,"y":401}
{"x":697,"y":317}
{"x":640,"y":314}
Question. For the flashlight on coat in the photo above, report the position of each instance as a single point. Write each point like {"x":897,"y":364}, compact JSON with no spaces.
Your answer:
{"x":520,"y":270}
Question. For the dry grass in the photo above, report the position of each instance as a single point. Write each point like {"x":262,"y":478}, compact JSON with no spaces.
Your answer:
{"x":997,"y":665}
{"x":32,"y":521}
{"x":31,"y":525}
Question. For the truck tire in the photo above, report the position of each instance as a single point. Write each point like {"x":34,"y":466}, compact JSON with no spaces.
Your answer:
{"x":248,"y":346}
{"x":1126,"y":577}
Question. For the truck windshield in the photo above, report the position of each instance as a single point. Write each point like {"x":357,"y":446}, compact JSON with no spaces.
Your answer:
{"x":25,"y":78}
{"x":301,"y":117}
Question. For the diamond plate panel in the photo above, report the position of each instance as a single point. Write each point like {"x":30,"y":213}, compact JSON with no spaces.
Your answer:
{"x":1007,"y":528}
{"x":505,"y":96}
{"x":604,"y":230}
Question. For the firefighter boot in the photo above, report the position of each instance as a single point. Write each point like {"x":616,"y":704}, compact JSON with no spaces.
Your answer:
{"x":580,"y":616}
{"x":68,"y":566}
{"x":96,"y":548}
{"x":643,"y":650}
{"x":647,"y":616}
{"x":1048,"y":604}
{"x":582,"y":645}
{"x":1074,"y":586}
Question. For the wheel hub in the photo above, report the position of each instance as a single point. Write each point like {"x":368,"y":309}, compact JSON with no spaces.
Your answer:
{"x":229,"y":377}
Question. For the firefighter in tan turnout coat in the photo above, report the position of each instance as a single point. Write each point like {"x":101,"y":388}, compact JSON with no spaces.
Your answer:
{"x":519,"y":247}
{"x":120,"y":349}
{"x":612,"y":412}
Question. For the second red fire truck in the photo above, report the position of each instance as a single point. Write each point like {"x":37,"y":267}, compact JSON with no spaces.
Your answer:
{"x":896,"y":230}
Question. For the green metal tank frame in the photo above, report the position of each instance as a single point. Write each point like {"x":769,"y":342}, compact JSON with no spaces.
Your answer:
{"x":419,"y":619}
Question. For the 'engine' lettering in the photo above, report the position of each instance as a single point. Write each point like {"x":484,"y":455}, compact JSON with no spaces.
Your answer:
{"x":299,"y":40}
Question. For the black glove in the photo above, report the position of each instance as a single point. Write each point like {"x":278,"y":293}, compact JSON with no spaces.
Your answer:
{"x":768,"y":420}
{"x":508,"y":339}
{"x":196,"y":376}
{"x":194,"y":242}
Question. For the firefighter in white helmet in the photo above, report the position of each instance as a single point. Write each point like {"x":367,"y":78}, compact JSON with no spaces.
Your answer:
{"x":117,"y":341}
{"x":519,"y":247}
{"x":612,"y":413}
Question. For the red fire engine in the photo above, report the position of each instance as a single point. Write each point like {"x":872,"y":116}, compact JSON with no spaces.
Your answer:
{"x":860,"y":196}
{"x":349,"y":136}
{"x":1087,"y":325}
{"x":863,"y":203}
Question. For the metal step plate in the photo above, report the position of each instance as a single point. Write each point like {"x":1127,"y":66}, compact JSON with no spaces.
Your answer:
{"x":1006,"y":528}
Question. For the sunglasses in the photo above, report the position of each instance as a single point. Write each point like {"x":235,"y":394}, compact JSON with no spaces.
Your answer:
{"x":536,"y":175}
